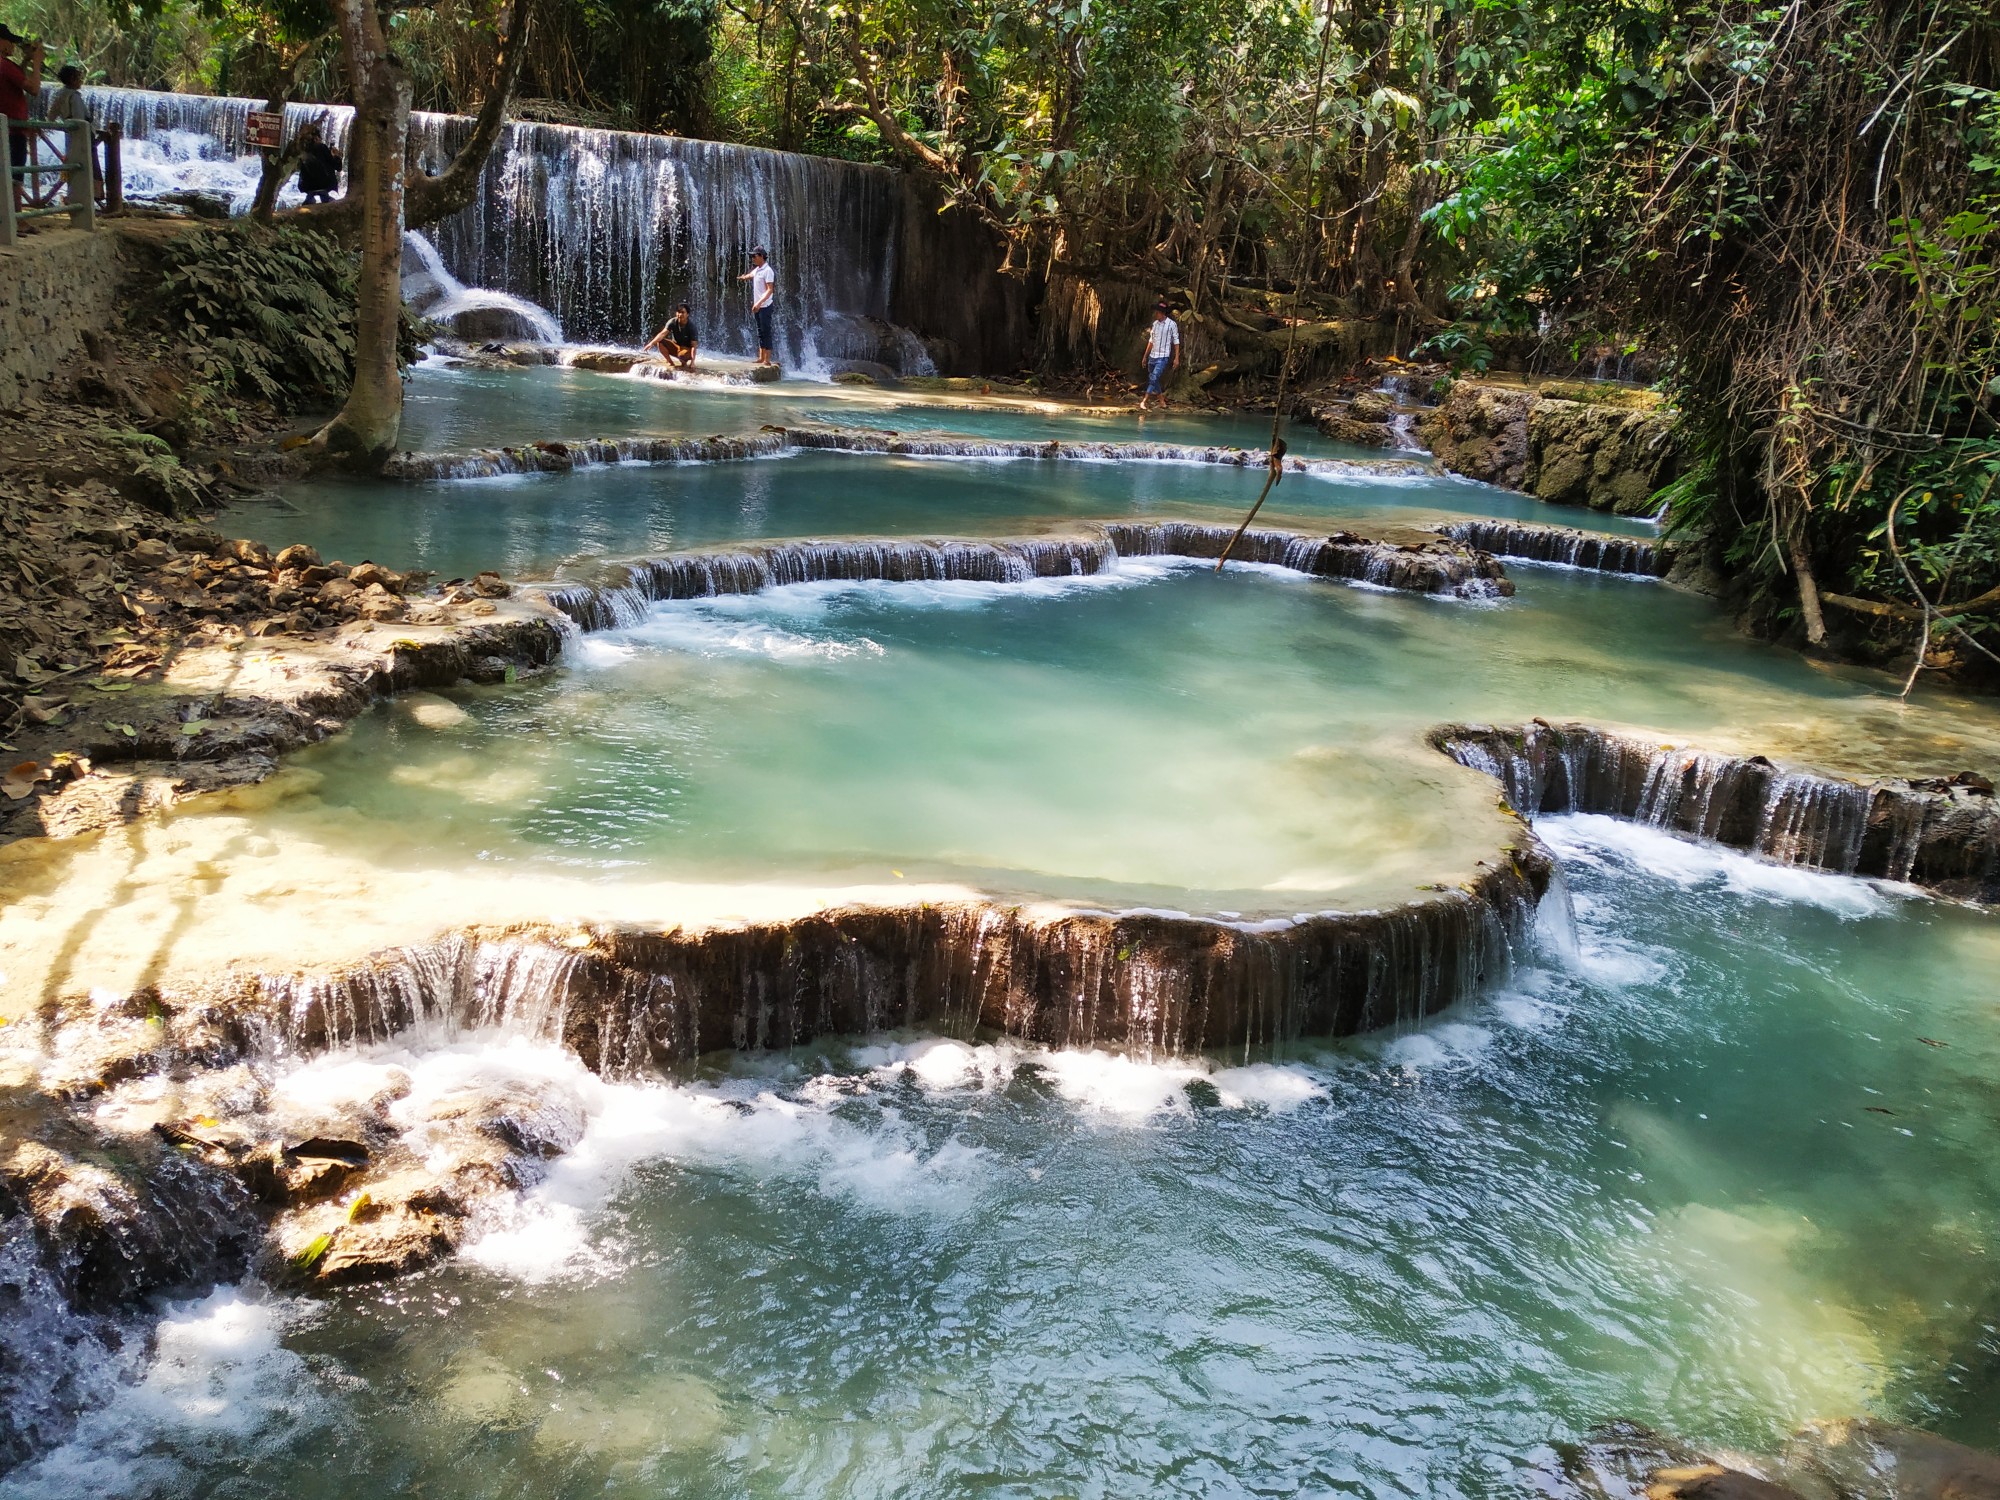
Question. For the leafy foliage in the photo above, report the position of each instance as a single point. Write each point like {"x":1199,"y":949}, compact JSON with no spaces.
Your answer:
{"x":265,"y":314}
{"x":1799,"y":206}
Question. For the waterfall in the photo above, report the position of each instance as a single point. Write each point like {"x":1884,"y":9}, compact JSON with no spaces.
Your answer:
{"x":1564,"y":545}
{"x":630,"y":589}
{"x":559,"y":456}
{"x":1941,"y":835}
{"x":474,"y":312}
{"x":633,"y":1002}
{"x":604,"y":229}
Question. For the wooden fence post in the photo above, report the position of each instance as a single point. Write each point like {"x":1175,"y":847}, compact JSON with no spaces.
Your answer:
{"x":7,"y":208}
{"x":82,"y":200}
{"x":114,"y":168}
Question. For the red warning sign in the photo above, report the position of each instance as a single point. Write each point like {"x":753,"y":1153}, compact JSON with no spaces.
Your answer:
{"x":267,"y":130}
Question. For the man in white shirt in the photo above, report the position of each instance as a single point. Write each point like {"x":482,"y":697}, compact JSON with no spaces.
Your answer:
{"x":1163,"y":353}
{"x":761,"y":279}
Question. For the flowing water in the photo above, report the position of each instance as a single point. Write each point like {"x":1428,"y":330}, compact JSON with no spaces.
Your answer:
{"x":605,"y":230}
{"x":1722,"y":1165}
{"x":451,"y":409}
{"x":1717,"y":1157}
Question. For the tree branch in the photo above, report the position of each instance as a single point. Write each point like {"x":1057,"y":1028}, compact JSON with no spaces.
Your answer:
{"x":439,"y":197}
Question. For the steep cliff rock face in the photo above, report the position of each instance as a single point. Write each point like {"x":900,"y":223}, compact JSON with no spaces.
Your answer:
{"x":1608,"y":454}
{"x":1599,"y":456}
{"x":1481,"y":431}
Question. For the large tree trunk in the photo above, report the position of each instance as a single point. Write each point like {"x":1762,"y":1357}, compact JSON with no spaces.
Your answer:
{"x":364,"y":433}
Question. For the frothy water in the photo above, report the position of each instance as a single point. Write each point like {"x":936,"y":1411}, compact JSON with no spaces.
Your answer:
{"x":1721,"y":1192}
{"x":597,"y":233}
{"x":1714,"y":1157}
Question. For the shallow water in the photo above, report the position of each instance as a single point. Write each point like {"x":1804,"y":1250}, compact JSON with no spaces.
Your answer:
{"x":1154,"y":736}
{"x":1717,"y":1159}
{"x":451,"y":410}
{"x":1724,"y":1167}
{"x":529,"y":526}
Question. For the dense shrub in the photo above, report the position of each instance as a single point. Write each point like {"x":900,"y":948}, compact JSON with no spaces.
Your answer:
{"x":266,"y":314}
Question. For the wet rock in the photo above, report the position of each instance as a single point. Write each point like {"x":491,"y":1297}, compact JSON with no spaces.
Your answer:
{"x":118,"y":1228}
{"x":529,"y":354}
{"x":1570,"y":444}
{"x":488,"y":670}
{"x":605,"y":361}
{"x":377,"y":603}
{"x":279,"y":1181}
{"x":329,"y":1148}
{"x":1709,"y":1481}
{"x":196,"y":203}
{"x":1371,"y":406}
{"x":491,"y":585}
{"x":539,"y":1123}
{"x":1338,"y":423}
{"x":1599,"y":456}
{"x":1625,"y":1461}
{"x":1481,"y":431}
{"x":403,"y":1223}
{"x":1869,"y":1460}
{"x":478,"y":324}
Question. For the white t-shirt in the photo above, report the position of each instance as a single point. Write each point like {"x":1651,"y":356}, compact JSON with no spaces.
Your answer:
{"x":761,"y":278}
{"x":1163,"y":339}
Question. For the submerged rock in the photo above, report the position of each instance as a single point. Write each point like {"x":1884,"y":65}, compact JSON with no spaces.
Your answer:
{"x":1864,"y":1459}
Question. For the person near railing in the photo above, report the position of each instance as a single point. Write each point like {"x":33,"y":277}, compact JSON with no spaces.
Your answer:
{"x":68,"y":103}
{"x":20,"y":85}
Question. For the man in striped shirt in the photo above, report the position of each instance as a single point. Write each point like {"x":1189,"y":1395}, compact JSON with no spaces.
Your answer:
{"x":1163,"y":353}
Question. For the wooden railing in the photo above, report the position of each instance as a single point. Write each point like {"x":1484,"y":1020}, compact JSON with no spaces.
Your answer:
{"x":33,"y":189}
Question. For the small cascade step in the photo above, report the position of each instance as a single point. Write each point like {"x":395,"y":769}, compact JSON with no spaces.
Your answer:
{"x":554,"y":457}
{"x":1944,"y":836}
{"x":1566,"y":545}
{"x":630,"y":589}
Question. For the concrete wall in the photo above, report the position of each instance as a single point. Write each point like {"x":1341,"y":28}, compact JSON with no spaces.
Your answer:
{"x":54,"y":284}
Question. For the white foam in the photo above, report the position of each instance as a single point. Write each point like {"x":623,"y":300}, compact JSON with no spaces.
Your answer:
{"x":1613,"y":843}
{"x":701,"y":628}
{"x":801,"y":621}
{"x":1443,"y":1044}
{"x":221,"y":1381}
{"x":1277,"y":1087}
{"x":558,"y":1227}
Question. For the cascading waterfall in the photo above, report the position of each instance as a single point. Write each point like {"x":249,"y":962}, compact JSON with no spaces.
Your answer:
{"x":604,"y":229}
{"x":433,"y":292}
{"x":1565,"y":545}
{"x":638,"y":1002}
{"x":631,"y":588}
{"x":1943,"y":836}
{"x":559,"y":456}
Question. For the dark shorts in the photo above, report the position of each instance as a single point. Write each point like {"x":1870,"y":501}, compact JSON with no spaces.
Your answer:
{"x":764,"y":338}
{"x":1156,"y":373}
{"x":17,"y":143}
